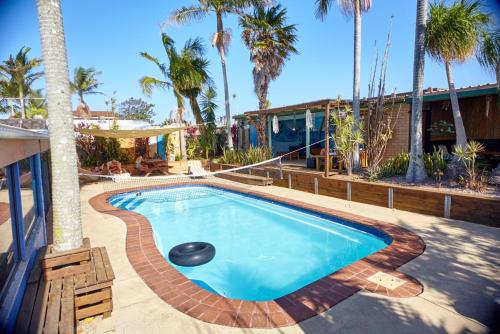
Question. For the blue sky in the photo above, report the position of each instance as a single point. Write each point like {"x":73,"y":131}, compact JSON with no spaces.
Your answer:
{"x":109,"y":35}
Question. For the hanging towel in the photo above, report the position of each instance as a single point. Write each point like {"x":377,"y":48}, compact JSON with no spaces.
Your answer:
{"x":276,"y":126}
{"x":309,"y":120}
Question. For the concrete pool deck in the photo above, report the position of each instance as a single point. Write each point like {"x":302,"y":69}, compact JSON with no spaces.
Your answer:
{"x":458,"y":271}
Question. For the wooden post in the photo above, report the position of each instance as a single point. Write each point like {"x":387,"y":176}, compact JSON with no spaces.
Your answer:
{"x":327,"y":140}
{"x":270,"y":131}
{"x":308,"y":142}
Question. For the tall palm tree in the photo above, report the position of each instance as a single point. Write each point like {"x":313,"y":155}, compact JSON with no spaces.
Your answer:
{"x":416,"y":171}
{"x":186,"y":73}
{"x":67,"y":227}
{"x":221,"y":38}
{"x":271,"y":43}
{"x":452,"y":35}
{"x":18,"y":72}
{"x":85,"y":83}
{"x":354,"y":8}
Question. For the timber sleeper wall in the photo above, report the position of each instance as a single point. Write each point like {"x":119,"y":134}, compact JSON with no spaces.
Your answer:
{"x":473,"y":208}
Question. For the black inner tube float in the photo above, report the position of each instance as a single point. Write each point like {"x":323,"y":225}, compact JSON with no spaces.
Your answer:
{"x":192,"y":254}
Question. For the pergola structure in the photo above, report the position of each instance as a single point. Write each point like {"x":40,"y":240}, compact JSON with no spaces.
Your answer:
{"x":326,"y":106}
{"x":136,"y":133}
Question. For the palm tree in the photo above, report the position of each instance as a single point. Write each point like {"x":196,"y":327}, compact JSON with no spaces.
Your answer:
{"x":271,"y":42}
{"x":36,"y":106}
{"x":67,"y":227}
{"x":84,"y":83}
{"x":452,"y":35}
{"x":221,"y":38}
{"x":416,"y":171}
{"x":18,"y":72}
{"x":350,"y":7}
{"x":186,"y":73}
{"x":489,"y":53}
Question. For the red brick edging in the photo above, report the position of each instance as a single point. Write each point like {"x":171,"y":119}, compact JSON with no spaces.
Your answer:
{"x":309,"y":301}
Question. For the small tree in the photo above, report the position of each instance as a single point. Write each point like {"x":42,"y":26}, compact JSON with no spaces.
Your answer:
{"x":17,"y":75}
{"x":208,"y":108}
{"x":468,"y":155}
{"x":346,"y":137}
{"x":136,"y":109}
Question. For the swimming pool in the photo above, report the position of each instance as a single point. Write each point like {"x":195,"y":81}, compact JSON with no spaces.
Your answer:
{"x":264,"y":250}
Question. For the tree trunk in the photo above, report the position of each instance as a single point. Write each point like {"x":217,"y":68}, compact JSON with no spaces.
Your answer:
{"x":67,"y":227}
{"x":11,"y":105}
{"x":220,"y":47}
{"x":21,"y":102}
{"x":461,"y":137}
{"x":357,"y":76}
{"x":416,"y":170}
{"x":195,"y":108}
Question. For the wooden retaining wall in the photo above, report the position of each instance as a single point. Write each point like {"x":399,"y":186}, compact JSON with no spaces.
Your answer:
{"x":473,"y":208}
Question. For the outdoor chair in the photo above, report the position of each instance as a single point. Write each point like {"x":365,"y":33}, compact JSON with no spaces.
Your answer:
{"x":195,"y":168}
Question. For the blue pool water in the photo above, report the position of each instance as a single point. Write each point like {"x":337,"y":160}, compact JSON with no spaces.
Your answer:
{"x":263,"y":250}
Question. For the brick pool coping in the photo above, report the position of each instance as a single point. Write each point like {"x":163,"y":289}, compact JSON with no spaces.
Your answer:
{"x":309,"y":301}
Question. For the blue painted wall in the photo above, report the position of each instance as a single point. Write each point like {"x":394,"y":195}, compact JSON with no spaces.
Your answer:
{"x":161,"y":147}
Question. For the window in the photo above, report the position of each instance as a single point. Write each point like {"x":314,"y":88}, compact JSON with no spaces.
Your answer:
{"x":28,"y":194}
{"x":7,"y":255}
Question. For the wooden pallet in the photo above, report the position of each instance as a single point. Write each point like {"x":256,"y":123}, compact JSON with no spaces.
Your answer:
{"x":67,"y":263}
{"x":47,"y":306}
{"x":93,"y":295}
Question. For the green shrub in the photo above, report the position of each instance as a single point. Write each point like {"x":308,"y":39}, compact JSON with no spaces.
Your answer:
{"x":252,"y":156}
{"x":255,"y":155}
{"x":178,"y":157}
{"x":397,"y":165}
{"x":435,"y":162}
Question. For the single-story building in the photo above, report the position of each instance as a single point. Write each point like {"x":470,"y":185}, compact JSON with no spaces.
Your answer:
{"x":479,"y":107}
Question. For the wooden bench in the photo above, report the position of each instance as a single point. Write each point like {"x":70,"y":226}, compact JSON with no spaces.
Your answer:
{"x":247,"y":179}
{"x":55,"y":305}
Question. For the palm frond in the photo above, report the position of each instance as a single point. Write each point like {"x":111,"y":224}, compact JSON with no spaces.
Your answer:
{"x":162,"y":67}
{"x":188,"y":14}
{"x":453,"y":32}
{"x":488,"y":54}
{"x":149,"y":83}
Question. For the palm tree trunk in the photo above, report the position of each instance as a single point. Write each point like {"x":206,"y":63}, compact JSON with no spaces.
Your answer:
{"x":21,"y":102}
{"x":195,"y":108}
{"x":67,"y":227}
{"x":461,"y":137}
{"x":11,"y":105}
{"x":357,"y":75}
{"x":220,"y":47}
{"x":416,"y":170}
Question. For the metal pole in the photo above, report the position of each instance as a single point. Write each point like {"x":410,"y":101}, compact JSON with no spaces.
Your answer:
{"x":327,"y":140}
